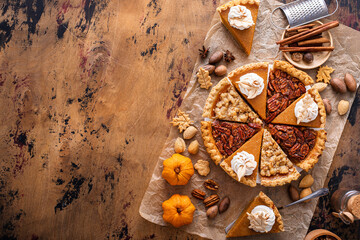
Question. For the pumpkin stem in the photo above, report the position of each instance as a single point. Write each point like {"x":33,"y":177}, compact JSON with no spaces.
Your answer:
{"x":178,"y":210}
{"x":177,"y":170}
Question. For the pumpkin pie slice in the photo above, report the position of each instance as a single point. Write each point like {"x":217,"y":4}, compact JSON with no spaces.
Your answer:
{"x":288,"y":116}
{"x":250,"y":148}
{"x":302,"y":145}
{"x":241,"y":21}
{"x":222,"y":139}
{"x":275,"y":168}
{"x":225,"y":103}
{"x":255,"y":88}
{"x":285,"y":85}
{"x":242,"y":227}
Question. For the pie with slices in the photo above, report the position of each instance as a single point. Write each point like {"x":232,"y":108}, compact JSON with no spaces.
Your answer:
{"x":276,"y":169}
{"x":261,"y":69}
{"x":242,"y":20}
{"x":242,"y":226}
{"x":260,"y":137}
{"x":252,"y":147}
{"x":225,"y":103}
{"x":288,"y":115}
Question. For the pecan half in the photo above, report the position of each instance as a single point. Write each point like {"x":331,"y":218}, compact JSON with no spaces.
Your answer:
{"x":197,"y":193}
{"x":211,"y":185}
{"x":212,"y":200}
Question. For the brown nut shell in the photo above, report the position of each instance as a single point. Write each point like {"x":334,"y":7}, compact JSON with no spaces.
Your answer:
{"x":327,"y":105}
{"x":220,"y":70}
{"x":216,"y":57}
{"x":224,"y":204}
{"x":210,"y":68}
{"x":212,"y":211}
{"x":338,"y":85}
{"x":305,"y":192}
{"x":190,"y":132}
{"x":180,"y":145}
{"x":293,"y":193}
{"x":197,"y":193}
{"x":193,"y":147}
{"x":212,"y":200}
{"x":350,"y":82}
{"x":343,"y":107}
{"x":306,"y":182}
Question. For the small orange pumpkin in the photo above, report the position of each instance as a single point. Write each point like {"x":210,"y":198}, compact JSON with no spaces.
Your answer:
{"x":178,"y":210}
{"x":178,"y":169}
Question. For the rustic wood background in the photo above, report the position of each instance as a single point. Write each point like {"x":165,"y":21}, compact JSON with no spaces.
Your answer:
{"x":87,"y":89}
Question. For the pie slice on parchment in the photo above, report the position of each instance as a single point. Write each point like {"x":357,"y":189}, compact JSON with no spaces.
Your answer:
{"x":241,"y":226}
{"x":243,"y":37}
{"x":276,"y":169}
{"x":253,"y":147}
{"x":261,"y":69}
{"x":288,"y":115}
{"x":225,"y":103}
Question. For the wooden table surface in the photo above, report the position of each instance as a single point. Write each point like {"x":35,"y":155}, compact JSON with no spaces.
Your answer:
{"x":87,"y":90}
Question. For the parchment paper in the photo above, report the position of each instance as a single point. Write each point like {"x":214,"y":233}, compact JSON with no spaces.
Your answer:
{"x":344,"y":59}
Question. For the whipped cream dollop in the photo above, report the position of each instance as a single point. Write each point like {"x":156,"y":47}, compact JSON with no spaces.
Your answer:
{"x":251,"y":85}
{"x":306,"y":110}
{"x":243,"y":164}
{"x":240,"y":17}
{"x":262,"y":219}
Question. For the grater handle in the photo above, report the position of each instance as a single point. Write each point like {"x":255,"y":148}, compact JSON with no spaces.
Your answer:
{"x":271,"y":18}
{"x":337,"y":6}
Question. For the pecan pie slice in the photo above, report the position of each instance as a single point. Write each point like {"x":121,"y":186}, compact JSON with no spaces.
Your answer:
{"x":275,"y":168}
{"x":303,"y":145}
{"x":225,"y":103}
{"x":288,"y":116}
{"x":222,"y":139}
{"x":285,"y":85}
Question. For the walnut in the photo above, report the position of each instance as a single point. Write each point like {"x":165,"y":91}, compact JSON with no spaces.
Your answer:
{"x":202,"y":166}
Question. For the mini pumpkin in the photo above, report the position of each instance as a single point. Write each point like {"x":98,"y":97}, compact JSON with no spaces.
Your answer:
{"x":178,"y":210}
{"x":178,"y":169}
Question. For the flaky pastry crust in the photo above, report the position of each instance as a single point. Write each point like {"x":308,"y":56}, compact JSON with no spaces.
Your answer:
{"x":294,"y":72}
{"x":271,"y":204}
{"x":214,"y":96}
{"x":230,"y":4}
{"x":319,"y":101}
{"x":246,"y":68}
{"x":227,"y":168}
{"x":313,"y":157}
{"x":209,"y":142}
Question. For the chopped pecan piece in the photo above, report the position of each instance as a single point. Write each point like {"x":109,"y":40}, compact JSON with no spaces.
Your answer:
{"x":197,"y":193}
{"x":212,"y":200}
{"x":211,"y":185}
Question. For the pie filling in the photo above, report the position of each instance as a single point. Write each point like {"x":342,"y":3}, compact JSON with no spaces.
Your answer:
{"x":229,"y":137}
{"x":296,"y":142}
{"x":283,"y":89}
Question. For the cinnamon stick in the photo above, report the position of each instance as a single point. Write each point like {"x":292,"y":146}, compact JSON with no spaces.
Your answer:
{"x":300,"y":27}
{"x":313,"y":41}
{"x":303,"y":30}
{"x":306,"y":49}
{"x":309,"y":33}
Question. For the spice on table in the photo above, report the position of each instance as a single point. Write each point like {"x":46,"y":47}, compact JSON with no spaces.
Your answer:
{"x":204,"y":52}
{"x":229,"y":57}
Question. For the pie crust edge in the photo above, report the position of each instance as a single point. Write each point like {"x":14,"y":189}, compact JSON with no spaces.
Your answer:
{"x":230,"y":4}
{"x":294,"y":72}
{"x":269,"y":202}
{"x":315,"y":93}
{"x":246,"y":68}
{"x":227,"y":168}
{"x":213,"y":96}
{"x":209,"y":142}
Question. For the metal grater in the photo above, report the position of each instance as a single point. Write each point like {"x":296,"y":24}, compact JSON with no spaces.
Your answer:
{"x":304,"y":11}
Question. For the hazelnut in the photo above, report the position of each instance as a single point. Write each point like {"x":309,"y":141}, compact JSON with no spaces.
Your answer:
{"x":308,"y":57}
{"x":296,"y":56}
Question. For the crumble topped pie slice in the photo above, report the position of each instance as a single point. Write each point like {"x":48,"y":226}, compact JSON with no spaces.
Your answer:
{"x":275,"y":168}
{"x":303,"y":145}
{"x":225,"y":103}
{"x":251,"y":81}
{"x":308,"y":111}
{"x":239,"y":159}
{"x":244,"y":225}
{"x":222,"y":139}
{"x":285,"y":85}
